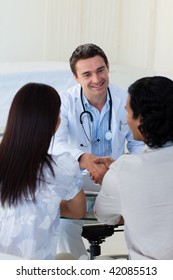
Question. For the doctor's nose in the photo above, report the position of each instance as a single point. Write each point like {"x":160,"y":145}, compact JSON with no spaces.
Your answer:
{"x":95,"y":78}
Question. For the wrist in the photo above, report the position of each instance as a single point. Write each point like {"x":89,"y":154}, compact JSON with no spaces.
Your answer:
{"x":84,"y":160}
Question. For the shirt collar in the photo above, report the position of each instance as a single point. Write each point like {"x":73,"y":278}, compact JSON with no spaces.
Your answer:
{"x":88,"y":105}
{"x":167,"y":144}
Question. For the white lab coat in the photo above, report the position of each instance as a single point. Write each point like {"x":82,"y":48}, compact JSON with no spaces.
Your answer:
{"x":144,"y":197}
{"x":70,"y":134}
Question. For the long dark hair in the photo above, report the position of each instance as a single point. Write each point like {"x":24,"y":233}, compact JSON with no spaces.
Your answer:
{"x":151,"y":98}
{"x":30,"y":126}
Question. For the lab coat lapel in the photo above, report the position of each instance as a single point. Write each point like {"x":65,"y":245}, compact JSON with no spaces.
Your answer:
{"x":114,"y":123}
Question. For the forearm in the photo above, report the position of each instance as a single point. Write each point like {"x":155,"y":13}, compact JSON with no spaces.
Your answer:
{"x":104,"y":210}
{"x":107,"y":204}
{"x":74,"y":208}
{"x":85,"y":160}
{"x":64,"y":210}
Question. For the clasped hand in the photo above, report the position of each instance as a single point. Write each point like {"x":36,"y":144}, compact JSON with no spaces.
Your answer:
{"x":100,"y":166}
{"x":97,"y":166}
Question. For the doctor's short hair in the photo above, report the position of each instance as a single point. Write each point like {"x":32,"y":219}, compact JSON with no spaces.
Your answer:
{"x":151,"y":99}
{"x":86,"y":51}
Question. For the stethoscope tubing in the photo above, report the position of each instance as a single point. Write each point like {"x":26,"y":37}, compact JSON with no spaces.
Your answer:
{"x":108,"y":134}
{"x":89,"y":113}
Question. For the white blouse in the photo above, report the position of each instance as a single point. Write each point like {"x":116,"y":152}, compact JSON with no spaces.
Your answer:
{"x":30,"y":230}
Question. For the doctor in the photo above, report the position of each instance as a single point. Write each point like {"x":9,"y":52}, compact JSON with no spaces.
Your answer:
{"x":93,"y":125}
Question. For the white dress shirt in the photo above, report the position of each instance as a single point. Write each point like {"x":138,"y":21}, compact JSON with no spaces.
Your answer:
{"x":140,"y":188}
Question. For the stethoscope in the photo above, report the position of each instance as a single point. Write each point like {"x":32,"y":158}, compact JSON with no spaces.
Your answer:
{"x":108,"y":134}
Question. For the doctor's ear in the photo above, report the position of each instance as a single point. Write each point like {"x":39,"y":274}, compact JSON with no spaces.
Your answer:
{"x":76,"y":78}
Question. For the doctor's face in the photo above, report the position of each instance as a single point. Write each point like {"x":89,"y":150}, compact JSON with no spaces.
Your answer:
{"x":132,"y":122}
{"x":92,"y":74}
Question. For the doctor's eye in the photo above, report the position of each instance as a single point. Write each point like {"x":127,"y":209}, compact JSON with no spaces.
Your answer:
{"x":86,"y":75}
{"x":101,"y":70}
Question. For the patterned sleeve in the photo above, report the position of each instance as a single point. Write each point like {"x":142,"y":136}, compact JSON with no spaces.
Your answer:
{"x":68,"y":177}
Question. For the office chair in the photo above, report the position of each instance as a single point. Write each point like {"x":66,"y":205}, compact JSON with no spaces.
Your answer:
{"x":96,"y":235}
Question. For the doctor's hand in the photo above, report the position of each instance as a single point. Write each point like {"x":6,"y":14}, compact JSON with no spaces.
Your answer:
{"x":96,"y":166}
{"x":104,"y":160}
{"x":100,"y":162}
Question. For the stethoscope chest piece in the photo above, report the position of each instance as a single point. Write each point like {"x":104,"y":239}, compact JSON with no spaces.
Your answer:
{"x":108,"y":135}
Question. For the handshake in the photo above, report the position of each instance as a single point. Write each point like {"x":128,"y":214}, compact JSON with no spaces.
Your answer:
{"x":96,"y":166}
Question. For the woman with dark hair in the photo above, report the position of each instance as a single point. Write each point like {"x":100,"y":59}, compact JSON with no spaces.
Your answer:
{"x":139,"y":188}
{"x":35,"y":187}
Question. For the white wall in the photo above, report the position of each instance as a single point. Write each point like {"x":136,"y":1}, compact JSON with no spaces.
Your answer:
{"x":133,"y":33}
{"x":22,"y":30}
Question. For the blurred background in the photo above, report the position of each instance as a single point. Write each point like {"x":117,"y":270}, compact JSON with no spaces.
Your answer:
{"x":133,"y":33}
{"x":136,"y":35}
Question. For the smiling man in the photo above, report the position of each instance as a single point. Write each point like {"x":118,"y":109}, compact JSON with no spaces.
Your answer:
{"x":93,"y":126}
